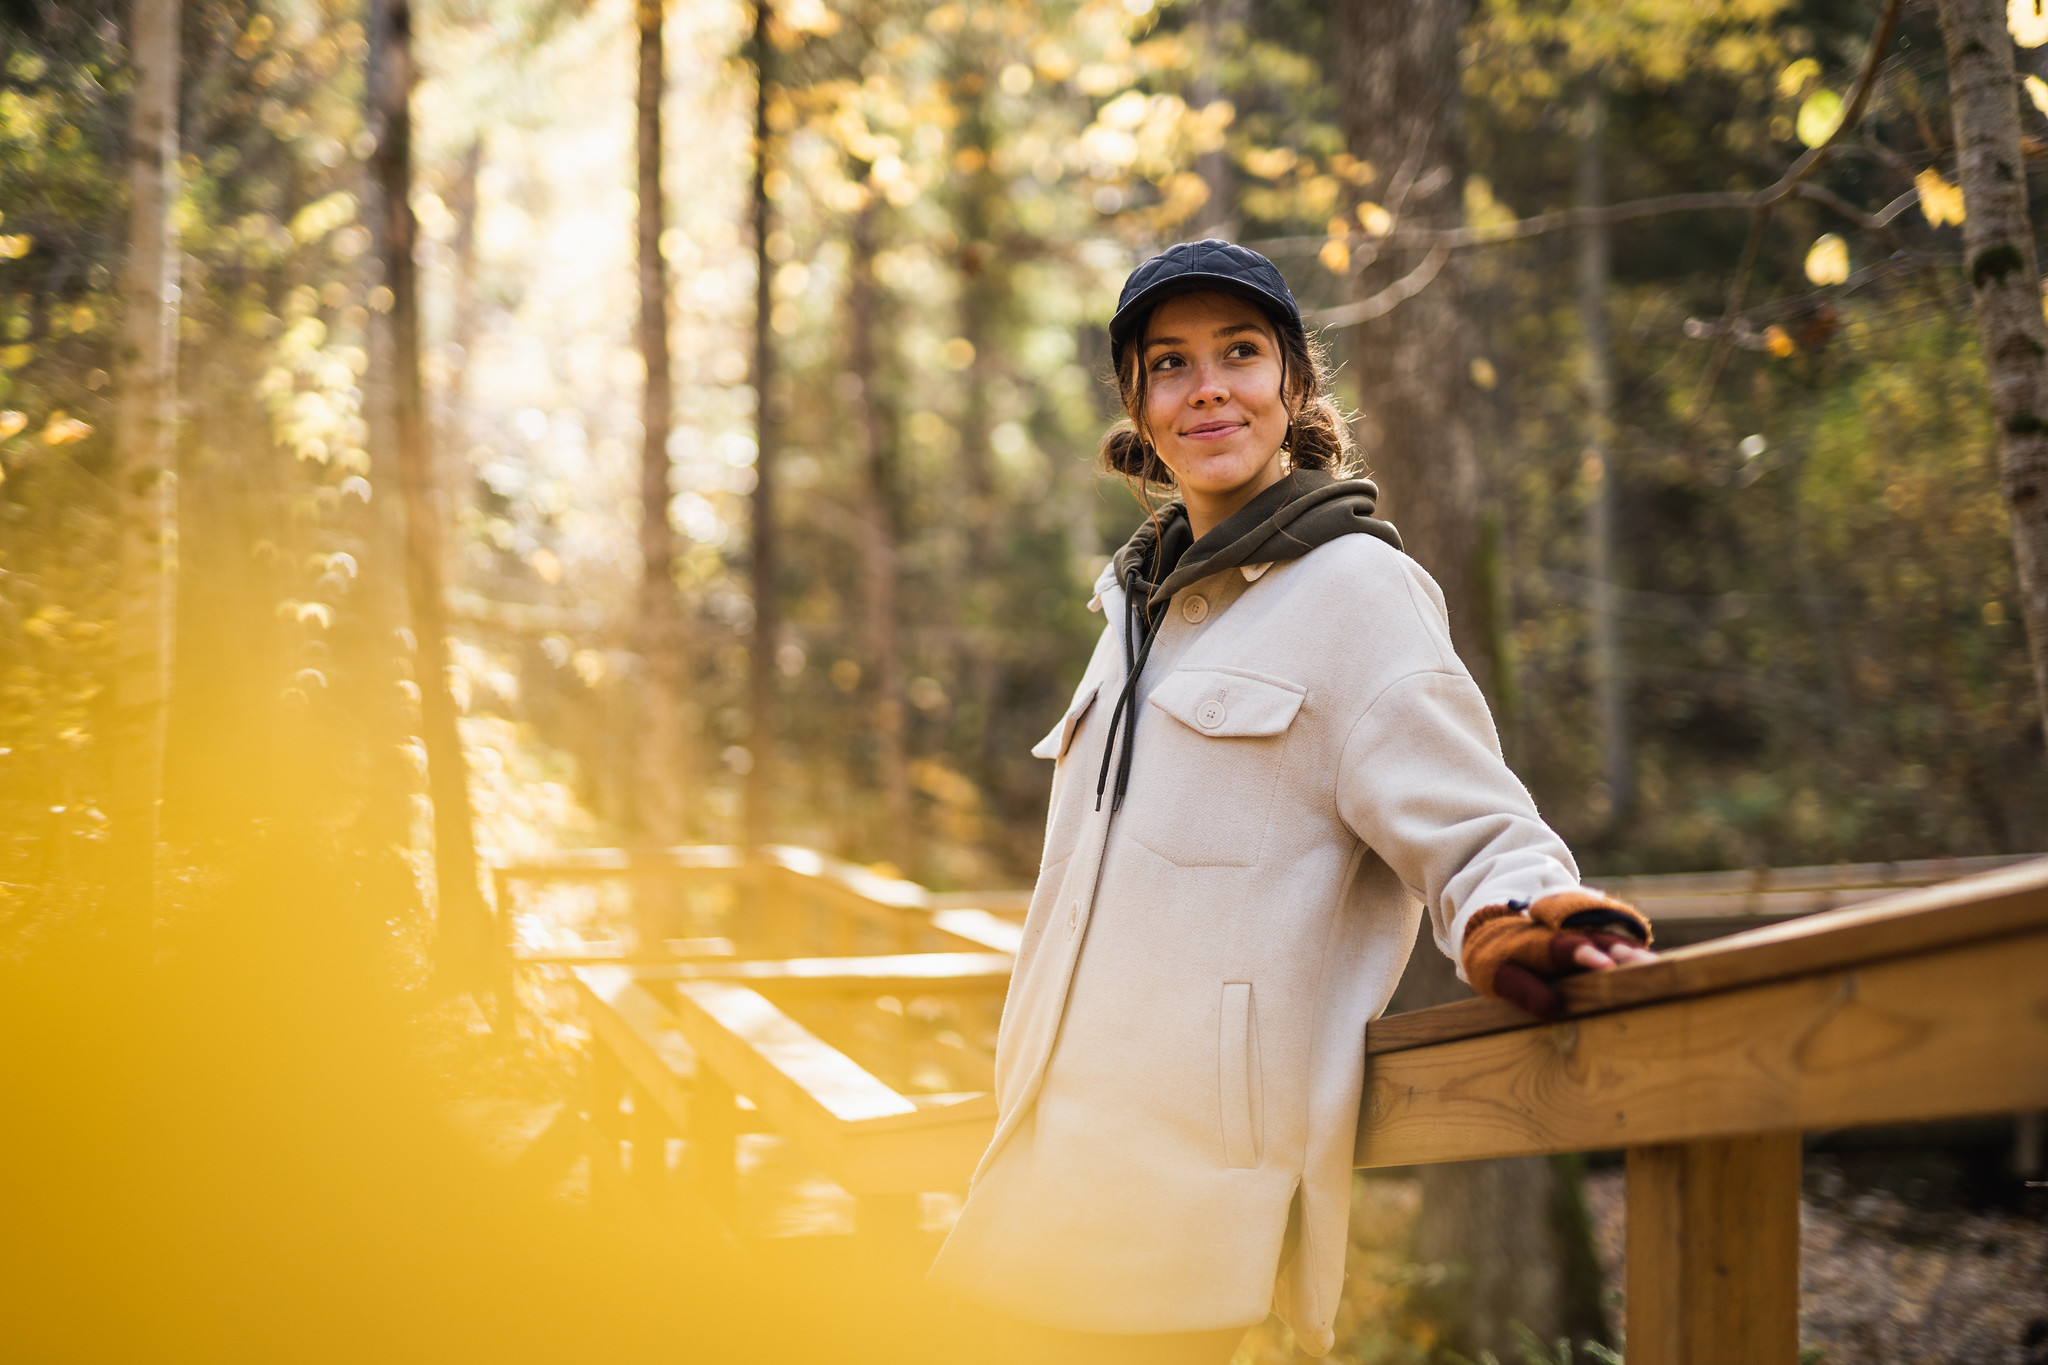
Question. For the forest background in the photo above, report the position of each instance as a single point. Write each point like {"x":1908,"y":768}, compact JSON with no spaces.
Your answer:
{"x":1715,"y":496}
{"x":1811,"y":631}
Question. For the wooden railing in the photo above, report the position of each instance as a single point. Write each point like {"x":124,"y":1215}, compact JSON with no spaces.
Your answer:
{"x":1706,"y":1066}
{"x":699,"y":1039}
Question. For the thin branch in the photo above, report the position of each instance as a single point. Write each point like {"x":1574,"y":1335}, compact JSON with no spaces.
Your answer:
{"x":1806,"y":165}
{"x":1388,"y":299}
{"x":1725,"y":343}
{"x":1564,"y":220}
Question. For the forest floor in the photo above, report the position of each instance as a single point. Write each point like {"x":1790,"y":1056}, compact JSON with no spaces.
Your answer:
{"x":1907,"y":1257}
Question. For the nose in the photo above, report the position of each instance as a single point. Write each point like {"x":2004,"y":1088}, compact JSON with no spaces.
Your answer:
{"x":1209,"y":390}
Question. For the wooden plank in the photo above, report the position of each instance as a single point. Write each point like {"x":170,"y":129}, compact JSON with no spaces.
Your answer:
{"x":570,"y":861}
{"x":1831,"y":877}
{"x":981,"y":927}
{"x":871,"y":1139}
{"x":914,"y":973}
{"x":2006,"y":901}
{"x":1713,"y":1252}
{"x":647,"y":1039}
{"x":1944,"y":1034}
{"x":858,"y":881}
{"x":799,"y":1082}
{"x":606,"y":951}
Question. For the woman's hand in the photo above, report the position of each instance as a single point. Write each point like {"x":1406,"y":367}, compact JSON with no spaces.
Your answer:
{"x":1515,"y":951}
{"x":1620,"y":953}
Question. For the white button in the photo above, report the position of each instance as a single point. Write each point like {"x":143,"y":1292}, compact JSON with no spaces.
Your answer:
{"x":1193,"y":609}
{"x":1074,"y":916}
{"x":1210,"y":714}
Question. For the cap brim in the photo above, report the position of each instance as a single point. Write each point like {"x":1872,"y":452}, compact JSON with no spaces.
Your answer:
{"x":1192,"y":282}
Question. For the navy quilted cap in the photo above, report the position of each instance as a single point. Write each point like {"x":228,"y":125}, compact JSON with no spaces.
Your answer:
{"x":1211,"y":263}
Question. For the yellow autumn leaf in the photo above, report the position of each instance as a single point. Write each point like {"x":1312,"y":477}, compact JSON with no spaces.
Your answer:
{"x":1818,"y":117}
{"x":1778,"y":341}
{"x":1827,"y":260}
{"x":1376,"y":221}
{"x":1793,"y":78}
{"x":13,"y":246}
{"x":2037,"y":91}
{"x":2027,"y":20}
{"x":1335,"y":256}
{"x":1270,"y":163}
{"x":11,"y":423}
{"x":64,"y":429}
{"x":1939,"y":200}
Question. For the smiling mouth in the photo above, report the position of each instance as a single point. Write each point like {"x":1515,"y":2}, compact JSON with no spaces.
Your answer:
{"x":1212,"y":428}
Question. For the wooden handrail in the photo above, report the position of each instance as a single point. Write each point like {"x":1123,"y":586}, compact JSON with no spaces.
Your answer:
{"x":1987,"y":905}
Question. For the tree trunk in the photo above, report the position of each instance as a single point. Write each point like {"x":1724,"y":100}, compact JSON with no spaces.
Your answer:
{"x":1398,"y":103}
{"x":1218,"y":214}
{"x":761,"y":671}
{"x":1501,"y":1228}
{"x":2005,"y":280}
{"x":462,"y":203}
{"x":876,"y":434}
{"x":145,"y":481}
{"x":462,"y":930}
{"x":1609,"y":678}
{"x":661,"y":791}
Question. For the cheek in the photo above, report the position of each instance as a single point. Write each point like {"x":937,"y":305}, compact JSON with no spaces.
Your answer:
{"x":1161,"y":403}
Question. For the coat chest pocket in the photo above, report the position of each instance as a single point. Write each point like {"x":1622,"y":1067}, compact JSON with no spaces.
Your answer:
{"x":1208,"y":779}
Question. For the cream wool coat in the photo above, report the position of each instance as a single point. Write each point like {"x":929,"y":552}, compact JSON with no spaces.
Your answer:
{"x":1181,"y":1052}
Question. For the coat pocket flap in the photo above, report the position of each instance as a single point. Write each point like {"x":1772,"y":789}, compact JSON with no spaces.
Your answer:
{"x":1228,"y":702}
{"x":1054,"y":745}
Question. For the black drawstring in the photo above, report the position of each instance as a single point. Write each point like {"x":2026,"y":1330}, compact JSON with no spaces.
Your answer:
{"x":1126,"y":703}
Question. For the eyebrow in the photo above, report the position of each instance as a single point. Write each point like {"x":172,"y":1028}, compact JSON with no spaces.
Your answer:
{"x":1231,"y":330}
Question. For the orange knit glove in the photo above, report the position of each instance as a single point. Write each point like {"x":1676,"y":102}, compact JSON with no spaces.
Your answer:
{"x":1514,"y":951}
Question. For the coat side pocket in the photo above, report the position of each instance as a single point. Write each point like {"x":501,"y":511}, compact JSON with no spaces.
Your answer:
{"x":1239,"y":1078}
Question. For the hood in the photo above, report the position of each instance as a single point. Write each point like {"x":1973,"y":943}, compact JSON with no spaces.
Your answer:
{"x":1307,"y":508}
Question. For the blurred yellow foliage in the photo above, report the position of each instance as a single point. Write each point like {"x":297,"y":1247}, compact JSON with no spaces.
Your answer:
{"x":1827,"y":260}
{"x":1939,"y":200}
{"x":1819,"y":116}
{"x":64,"y":430}
{"x":1794,"y":79}
{"x":2028,"y":22}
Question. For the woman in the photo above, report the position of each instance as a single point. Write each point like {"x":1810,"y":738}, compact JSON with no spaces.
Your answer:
{"x":1273,"y":765}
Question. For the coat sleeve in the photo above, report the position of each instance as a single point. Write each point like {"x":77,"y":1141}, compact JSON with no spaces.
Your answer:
{"x":1421,"y":780}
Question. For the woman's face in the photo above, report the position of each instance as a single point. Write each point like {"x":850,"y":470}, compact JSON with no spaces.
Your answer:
{"x":1213,"y":404}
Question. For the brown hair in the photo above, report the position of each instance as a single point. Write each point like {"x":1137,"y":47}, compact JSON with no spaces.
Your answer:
{"x":1318,"y":436}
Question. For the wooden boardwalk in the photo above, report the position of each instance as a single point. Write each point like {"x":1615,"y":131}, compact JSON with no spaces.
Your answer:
{"x":1897,"y":1006}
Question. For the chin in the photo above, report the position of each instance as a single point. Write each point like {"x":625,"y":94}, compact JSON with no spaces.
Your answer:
{"x":1223,"y":475}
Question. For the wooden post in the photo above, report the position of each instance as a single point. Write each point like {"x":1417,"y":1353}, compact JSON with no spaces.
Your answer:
{"x":714,"y":1133}
{"x":606,"y":1081}
{"x":1713,"y":1252}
